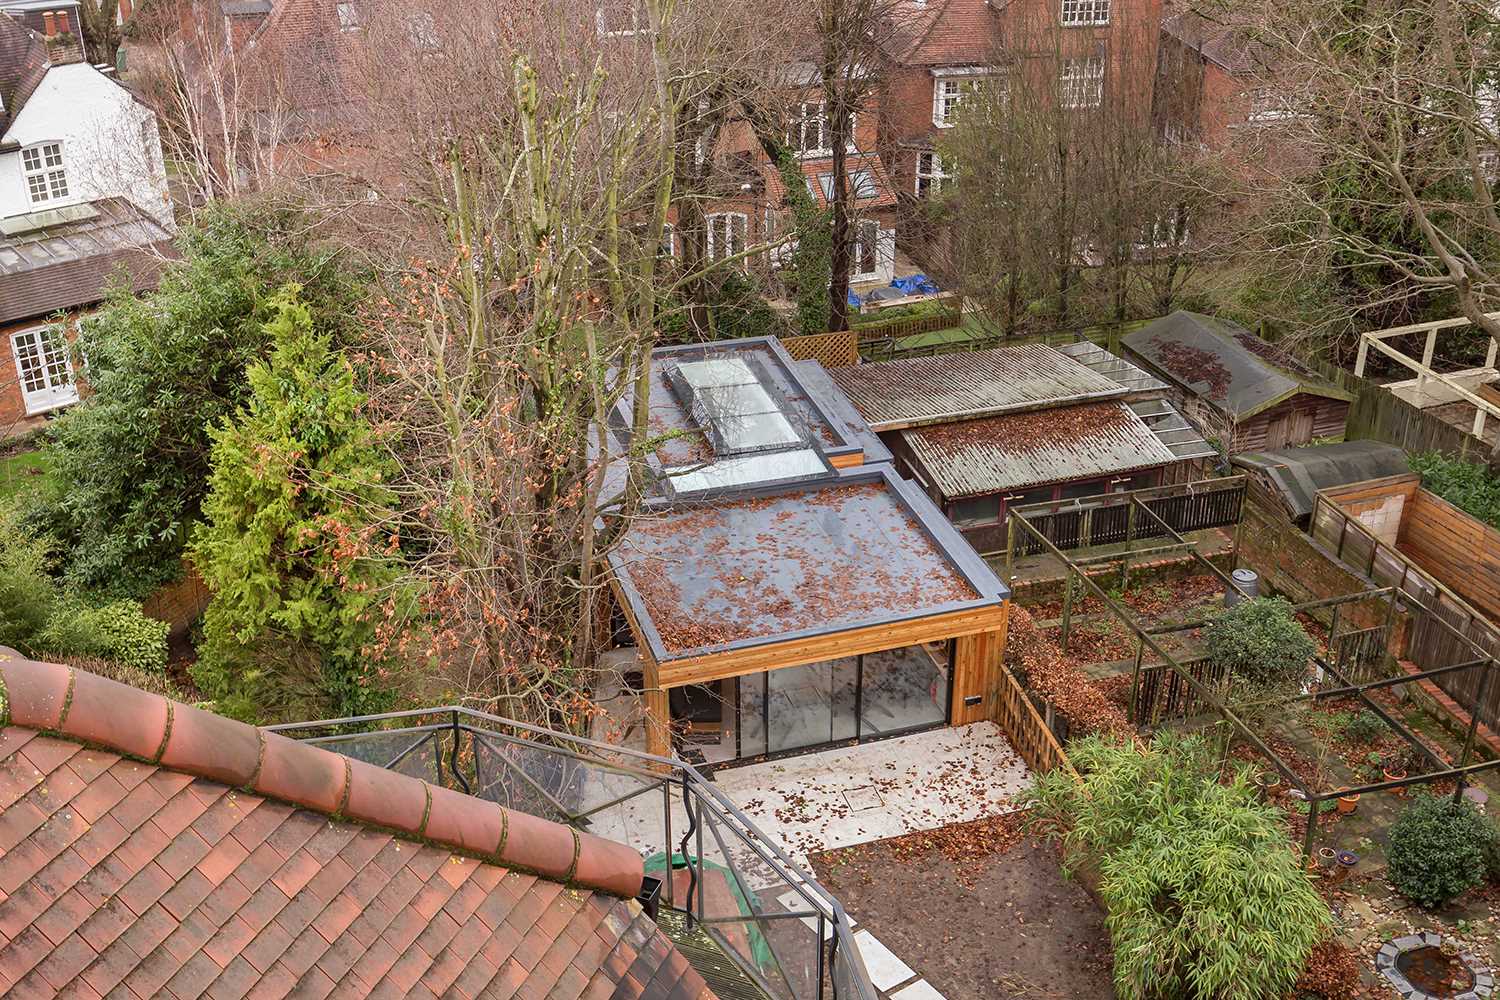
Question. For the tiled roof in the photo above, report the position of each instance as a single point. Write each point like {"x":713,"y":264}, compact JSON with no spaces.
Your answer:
{"x":69,"y":265}
{"x":23,"y":63}
{"x":943,"y":32}
{"x":150,"y":849}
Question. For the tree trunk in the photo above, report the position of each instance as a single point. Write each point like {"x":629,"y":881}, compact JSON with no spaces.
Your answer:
{"x":838,"y":127}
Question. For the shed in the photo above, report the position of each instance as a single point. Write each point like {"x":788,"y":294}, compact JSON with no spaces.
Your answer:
{"x":1249,"y":393}
{"x":988,"y":430}
{"x":1293,"y":476}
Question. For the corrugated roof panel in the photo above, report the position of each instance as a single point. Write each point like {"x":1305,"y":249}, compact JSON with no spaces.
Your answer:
{"x":1117,"y":369}
{"x":1017,"y":450}
{"x":891,"y":395}
{"x":1173,"y":429}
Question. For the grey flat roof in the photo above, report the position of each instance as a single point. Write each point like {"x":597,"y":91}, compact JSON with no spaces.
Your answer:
{"x":1299,"y":473}
{"x":1016,"y":450}
{"x":909,"y":392}
{"x":863,"y":548}
{"x":1230,"y":367}
{"x":818,"y":382}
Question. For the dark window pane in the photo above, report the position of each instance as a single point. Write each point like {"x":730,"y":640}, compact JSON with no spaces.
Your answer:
{"x":980,"y":510}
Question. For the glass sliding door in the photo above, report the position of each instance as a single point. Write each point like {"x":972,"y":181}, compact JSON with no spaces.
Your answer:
{"x":903,"y":689}
{"x":839,"y":701}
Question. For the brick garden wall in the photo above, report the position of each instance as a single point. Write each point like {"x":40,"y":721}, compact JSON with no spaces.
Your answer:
{"x":180,"y":602}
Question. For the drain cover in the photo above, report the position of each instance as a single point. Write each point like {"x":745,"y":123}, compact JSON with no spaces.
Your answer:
{"x":865,"y":797}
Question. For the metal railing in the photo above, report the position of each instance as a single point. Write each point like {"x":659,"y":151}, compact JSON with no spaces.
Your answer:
{"x":783,"y":930}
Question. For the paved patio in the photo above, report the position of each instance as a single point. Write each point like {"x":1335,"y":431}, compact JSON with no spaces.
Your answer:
{"x":853,"y":795}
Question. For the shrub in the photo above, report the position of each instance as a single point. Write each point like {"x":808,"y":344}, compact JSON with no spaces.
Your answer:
{"x":27,"y":594}
{"x":1366,"y":727}
{"x":118,"y":631}
{"x":294,"y":547}
{"x":1439,"y":850}
{"x":130,"y":461}
{"x":1471,"y":488}
{"x":1206,"y":899}
{"x":1260,"y":640}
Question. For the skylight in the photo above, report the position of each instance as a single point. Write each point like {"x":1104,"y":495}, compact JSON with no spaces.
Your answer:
{"x":747,"y":470}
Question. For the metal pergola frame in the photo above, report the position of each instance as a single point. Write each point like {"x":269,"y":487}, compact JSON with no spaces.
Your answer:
{"x":1393,"y":598}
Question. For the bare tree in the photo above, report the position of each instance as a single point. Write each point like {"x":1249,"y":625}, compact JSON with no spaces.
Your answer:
{"x":1385,"y":117}
{"x":224,"y":107}
{"x":524,"y":166}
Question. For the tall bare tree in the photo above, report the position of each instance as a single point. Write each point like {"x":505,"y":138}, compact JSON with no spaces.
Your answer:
{"x":1385,"y":117}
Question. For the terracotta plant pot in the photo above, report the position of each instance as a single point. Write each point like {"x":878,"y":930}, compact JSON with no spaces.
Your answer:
{"x":1396,"y":773}
{"x":1347,"y":804}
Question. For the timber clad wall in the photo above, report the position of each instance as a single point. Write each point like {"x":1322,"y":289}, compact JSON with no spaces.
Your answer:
{"x":1455,"y":548}
{"x":977,"y":662}
{"x":1294,"y":422}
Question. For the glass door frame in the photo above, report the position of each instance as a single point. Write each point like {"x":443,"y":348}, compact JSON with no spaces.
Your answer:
{"x":859,"y":737}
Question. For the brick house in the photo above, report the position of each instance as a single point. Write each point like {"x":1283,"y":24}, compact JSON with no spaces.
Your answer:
{"x":936,"y":50}
{"x":1204,"y":87}
{"x":83,"y":196}
{"x":757,"y":212}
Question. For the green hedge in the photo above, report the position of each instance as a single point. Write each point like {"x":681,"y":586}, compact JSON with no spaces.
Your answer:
{"x":1471,"y":488}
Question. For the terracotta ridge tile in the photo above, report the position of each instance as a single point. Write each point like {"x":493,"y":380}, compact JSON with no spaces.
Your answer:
{"x":94,"y":711}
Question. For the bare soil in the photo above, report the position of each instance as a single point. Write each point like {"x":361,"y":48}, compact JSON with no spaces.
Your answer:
{"x":1002,"y":925}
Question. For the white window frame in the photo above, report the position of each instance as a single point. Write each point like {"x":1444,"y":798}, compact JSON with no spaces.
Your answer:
{"x":948,"y":93}
{"x":348,"y":14}
{"x":733,"y":224}
{"x":809,"y":115}
{"x":1081,"y":84}
{"x":639,"y":24}
{"x":1085,"y":13}
{"x":47,"y":163}
{"x":932,"y":173}
{"x":47,"y":347}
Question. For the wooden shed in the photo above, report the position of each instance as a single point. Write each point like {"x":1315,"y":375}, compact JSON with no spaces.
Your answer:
{"x":782,"y":592}
{"x":1246,"y":392}
{"x":986,"y":431}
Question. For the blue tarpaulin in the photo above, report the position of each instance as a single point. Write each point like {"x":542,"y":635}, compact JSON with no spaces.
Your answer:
{"x":851,"y":298}
{"x":916,"y":284}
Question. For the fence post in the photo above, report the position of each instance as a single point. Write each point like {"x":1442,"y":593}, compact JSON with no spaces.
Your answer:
{"x":1312,"y":826}
{"x":1463,"y":758}
{"x":1135,"y":680}
{"x":1010,"y":544}
{"x":1067,"y":605}
{"x":1129,"y":541}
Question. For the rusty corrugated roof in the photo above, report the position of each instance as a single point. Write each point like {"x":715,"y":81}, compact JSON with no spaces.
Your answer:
{"x":909,"y":392}
{"x":1016,"y":450}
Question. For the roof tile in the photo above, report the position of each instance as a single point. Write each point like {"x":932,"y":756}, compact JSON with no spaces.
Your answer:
{"x":155,"y":883}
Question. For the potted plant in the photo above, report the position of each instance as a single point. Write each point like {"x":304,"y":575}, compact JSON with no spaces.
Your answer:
{"x":1348,"y":803}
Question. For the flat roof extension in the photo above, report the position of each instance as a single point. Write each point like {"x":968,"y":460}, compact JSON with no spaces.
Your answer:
{"x":864,"y":548}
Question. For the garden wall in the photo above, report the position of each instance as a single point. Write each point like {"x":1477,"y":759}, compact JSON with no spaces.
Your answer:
{"x":1294,"y":565}
{"x":180,"y":602}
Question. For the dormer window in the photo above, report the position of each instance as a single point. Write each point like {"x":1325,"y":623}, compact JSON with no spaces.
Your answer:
{"x":46,"y":178}
{"x":807,"y":133}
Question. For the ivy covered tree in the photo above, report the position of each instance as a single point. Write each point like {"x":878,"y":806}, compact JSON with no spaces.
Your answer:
{"x":295,"y":543}
{"x":1206,"y":899}
{"x":132,"y":458}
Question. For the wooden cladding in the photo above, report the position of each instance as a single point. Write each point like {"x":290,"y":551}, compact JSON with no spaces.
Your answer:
{"x":831,"y":646}
{"x":977,"y":663}
{"x":1456,"y":548}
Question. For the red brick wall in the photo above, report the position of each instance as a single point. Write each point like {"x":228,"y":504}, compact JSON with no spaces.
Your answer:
{"x":13,"y":417}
